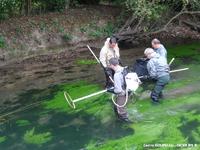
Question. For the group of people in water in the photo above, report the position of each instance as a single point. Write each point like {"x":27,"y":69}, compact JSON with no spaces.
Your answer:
{"x":156,"y":66}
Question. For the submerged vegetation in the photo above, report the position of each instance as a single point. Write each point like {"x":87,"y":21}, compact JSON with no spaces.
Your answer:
{"x":2,"y":139}
{"x":76,"y":90}
{"x":22,"y":123}
{"x":190,"y":51}
{"x":37,"y":138}
{"x":171,"y":122}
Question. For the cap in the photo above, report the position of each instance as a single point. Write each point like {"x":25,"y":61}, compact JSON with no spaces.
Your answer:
{"x":114,"y":61}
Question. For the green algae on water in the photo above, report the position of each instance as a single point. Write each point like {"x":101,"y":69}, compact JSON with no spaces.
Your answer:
{"x":22,"y":123}
{"x":76,"y":90}
{"x":2,"y":139}
{"x":166,"y":123}
{"x":184,"y":50}
{"x":32,"y":137}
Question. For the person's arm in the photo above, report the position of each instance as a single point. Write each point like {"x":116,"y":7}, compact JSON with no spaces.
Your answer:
{"x":102,"y":57}
{"x":117,"y":51}
{"x":151,"y":69}
{"x":163,"y":51}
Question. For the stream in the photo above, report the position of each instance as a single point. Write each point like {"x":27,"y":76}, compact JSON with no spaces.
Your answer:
{"x":34,"y":114}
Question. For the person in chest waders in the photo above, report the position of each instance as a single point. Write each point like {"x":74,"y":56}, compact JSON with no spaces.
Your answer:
{"x":159,"y":71}
{"x":108,"y":51}
{"x":119,"y":89}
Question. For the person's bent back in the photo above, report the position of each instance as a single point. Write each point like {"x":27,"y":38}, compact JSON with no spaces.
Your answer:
{"x":159,"y":71}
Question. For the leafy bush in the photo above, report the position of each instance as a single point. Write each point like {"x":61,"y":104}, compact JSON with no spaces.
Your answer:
{"x":145,"y":8}
{"x":9,"y":8}
{"x":67,"y":37}
{"x":155,"y":9}
{"x":55,"y":5}
{"x":189,"y":4}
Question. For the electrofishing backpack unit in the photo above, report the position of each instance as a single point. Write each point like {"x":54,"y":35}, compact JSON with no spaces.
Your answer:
{"x":131,"y":80}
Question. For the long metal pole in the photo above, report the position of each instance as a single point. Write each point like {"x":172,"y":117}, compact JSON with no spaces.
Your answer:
{"x":172,"y":71}
{"x":171,"y":61}
{"x":88,"y":96}
{"x":72,"y":102}
{"x":93,"y":54}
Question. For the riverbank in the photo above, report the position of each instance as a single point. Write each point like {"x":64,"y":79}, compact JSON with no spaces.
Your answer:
{"x":30,"y":36}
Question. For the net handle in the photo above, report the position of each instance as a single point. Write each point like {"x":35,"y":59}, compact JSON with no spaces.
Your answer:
{"x":69,"y":100}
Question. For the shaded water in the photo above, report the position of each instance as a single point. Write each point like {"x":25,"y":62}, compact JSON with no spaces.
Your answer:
{"x":41,"y":118}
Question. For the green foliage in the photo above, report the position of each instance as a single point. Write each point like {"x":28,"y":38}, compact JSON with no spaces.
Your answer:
{"x":2,"y":139}
{"x":67,"y":37}
{"x":185,"y":4}
{"x":56,"y":5}
{"x":43,"y":26}
{"x":2,"y":42}
{"x":194,"y":5}
{"x":93,"y":30}
{"x":9,"y":8}
{"x":32,"y":138}
{"x":86,"y":62}
{"x":153,"y":10}
{"x":22,"y":123}
{"x":145,"y":8}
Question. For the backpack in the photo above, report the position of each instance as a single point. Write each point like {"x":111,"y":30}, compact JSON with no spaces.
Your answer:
{"x":131,"y":80}
{"x":140,"y":67}
{"x":131,"y":84}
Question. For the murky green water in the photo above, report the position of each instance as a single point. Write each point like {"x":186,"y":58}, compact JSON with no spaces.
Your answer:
{"x":42,"y":119}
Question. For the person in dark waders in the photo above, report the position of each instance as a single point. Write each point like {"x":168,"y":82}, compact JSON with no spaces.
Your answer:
{"x":119,"y":89}
{"x":108,"y":51}
{"x":159,"y":71}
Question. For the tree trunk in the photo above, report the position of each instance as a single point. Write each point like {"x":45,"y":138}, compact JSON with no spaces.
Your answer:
{"x":28,"y":4}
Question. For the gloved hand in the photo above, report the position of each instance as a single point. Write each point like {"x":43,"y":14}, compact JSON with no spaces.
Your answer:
{"x":108,"y":71}
{"x":111,"y":90}
{"x":146,"y":77}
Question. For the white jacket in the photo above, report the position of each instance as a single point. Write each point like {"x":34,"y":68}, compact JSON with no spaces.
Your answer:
{"x":107,"y":53}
